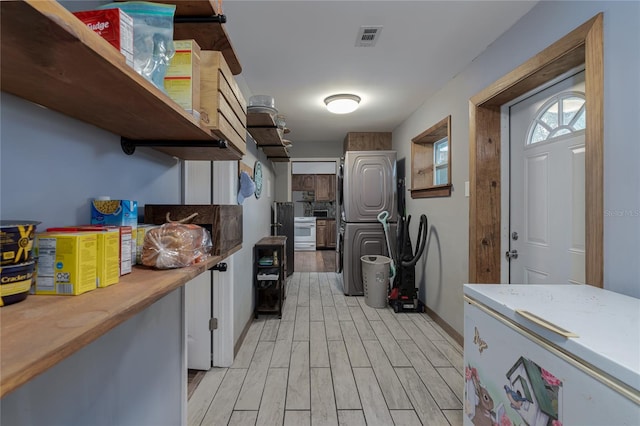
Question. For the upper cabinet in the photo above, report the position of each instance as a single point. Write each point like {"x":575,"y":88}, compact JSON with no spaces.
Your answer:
{"x":303,"y":182}
{"x":325,"y":187}
{"x":51,"y":58}
{"x":367,"y":141}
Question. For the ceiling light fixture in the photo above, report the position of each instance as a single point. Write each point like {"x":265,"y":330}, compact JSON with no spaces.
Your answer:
{"x":342,"y":104}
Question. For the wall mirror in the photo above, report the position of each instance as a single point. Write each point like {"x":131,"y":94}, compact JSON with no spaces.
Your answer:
{"x":431,"y":161}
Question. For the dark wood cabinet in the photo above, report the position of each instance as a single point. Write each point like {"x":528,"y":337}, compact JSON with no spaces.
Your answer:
{"x":303,"y":182}
{"x":321,"y":233}
{"x":332,"y":233}
{"x":326,"y":233}
{"x":325,"y":187}
{"x":367,"y":141}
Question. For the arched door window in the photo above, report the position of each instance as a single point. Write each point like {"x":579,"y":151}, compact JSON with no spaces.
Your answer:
{"x":560,"y":115}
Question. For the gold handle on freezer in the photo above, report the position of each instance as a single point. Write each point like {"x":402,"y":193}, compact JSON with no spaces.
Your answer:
{"x":545,"y":324}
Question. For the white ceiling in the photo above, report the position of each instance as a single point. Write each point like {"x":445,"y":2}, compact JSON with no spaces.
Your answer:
{"x":302,"y":51}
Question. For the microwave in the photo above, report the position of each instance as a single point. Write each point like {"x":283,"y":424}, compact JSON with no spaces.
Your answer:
{"x":321,"y":213}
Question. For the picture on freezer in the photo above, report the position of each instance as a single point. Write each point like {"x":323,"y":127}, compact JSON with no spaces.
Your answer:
{"x":532,"y":396}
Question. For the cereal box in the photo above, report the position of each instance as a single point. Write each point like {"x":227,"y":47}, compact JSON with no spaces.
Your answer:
{"x":108,"y":257}
{"x":126,"y":241}
{"x":182,"y":80}
{"x":67,"y":262}
{"x":113,"y":25}
{"x":117,"y":213}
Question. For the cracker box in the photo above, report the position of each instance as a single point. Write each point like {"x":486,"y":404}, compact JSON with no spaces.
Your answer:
{"x":182,"y":80}
{"x":108,"y":257}
{"x":113,"y":25}
{"x":117,"y":213}
{"x":67,"y":262}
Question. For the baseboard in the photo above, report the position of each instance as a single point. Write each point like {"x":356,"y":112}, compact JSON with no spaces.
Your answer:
{"x":236,"y":347}
{"x":445,"y":326}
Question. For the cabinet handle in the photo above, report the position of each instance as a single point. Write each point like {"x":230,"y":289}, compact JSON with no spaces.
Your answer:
{"x":545,"y":324}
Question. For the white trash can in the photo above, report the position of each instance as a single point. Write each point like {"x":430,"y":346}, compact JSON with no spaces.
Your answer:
{"x":375,"y":277}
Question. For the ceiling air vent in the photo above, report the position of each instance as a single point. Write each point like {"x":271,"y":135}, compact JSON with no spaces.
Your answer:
{"x":368,"y":35}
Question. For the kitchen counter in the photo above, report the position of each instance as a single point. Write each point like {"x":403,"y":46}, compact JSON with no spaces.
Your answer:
{"x":41,"y":331}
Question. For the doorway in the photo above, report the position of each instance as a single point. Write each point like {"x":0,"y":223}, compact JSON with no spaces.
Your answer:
{"x":544,"y":177}
{"x":582,"y":46}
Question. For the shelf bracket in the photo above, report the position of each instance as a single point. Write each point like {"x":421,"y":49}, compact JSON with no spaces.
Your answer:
{"x":221,"y":19}
{"x":129,"y":145}
{"x":222,"y":267}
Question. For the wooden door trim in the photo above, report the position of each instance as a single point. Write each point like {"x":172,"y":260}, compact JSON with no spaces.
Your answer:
{"x":584,"y":45}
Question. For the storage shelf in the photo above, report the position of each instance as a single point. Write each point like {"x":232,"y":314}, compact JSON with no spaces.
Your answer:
{"x":51,"y":58}
{"x":41,"y":331}
{"x":263,"y":130}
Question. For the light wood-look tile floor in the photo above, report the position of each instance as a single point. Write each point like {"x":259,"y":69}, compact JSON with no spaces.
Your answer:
{"x":333,"y":360}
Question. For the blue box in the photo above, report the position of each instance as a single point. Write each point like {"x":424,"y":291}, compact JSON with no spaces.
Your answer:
{"x":118,"y":213}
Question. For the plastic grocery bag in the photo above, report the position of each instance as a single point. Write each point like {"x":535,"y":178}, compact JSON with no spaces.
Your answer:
{"x":175,"y":245}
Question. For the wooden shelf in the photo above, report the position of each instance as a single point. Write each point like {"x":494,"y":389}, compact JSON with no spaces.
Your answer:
{"x":51,"y":58}
{"x":263,"y":130}
{"x":41,"y":331}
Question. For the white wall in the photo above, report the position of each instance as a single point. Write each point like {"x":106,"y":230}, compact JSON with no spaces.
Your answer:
{"x":256,"y":217}
{"x":53,"y":166}
{"x":444,"y":269}
{"x":134,"y":375}
{"x":282,"y":181}
{"x":315,"y":150}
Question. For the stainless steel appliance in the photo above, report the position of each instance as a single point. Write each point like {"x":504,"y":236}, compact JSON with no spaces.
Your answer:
{"x":366,"y":187}
{"x":305,"y":233}
{"x":282,"y":224}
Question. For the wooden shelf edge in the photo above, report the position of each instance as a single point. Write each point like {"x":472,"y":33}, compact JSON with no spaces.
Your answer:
{"x":84,"y":77}
{"x":41,"y":331}
{"x":432,"y":191}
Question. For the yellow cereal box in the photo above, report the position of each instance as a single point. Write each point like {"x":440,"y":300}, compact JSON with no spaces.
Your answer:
{"x":67,"y":262}
{"x":182,"y":80}
{"x":108,"y":260}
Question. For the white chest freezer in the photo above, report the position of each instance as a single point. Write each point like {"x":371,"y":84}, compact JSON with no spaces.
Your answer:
{"x":550,"y":355}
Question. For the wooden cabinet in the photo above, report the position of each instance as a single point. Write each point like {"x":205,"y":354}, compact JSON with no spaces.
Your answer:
{"x":332,"y":234}
{"x":108,"y":93}
{"x":321,"y":233}
{"x":325,"y":187}
{"x":269,"y":275}
{"x":303,"y":182}
{"x":367,"y":141}
{"x":326,"y":233}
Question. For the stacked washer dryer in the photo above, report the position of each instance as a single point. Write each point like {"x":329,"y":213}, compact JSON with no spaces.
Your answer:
{"x":367,"y":186}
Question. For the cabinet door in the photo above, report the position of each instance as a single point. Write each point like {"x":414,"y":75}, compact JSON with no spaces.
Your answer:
{"x":331,"y":233}
{"x":303,"y":182}
{"x":325,"y":187}
{"x":308,"y":182}
{"x":296,"y":182}
{"x":321,"y":233}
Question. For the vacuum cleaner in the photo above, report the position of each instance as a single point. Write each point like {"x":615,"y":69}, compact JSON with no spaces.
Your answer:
{"x":403,"y":296}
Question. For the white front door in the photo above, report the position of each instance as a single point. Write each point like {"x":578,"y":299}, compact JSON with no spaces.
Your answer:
{"x":547,"y":185}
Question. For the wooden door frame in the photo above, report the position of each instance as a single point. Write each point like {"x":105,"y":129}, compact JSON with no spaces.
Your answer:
{"x":584,"y":45}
